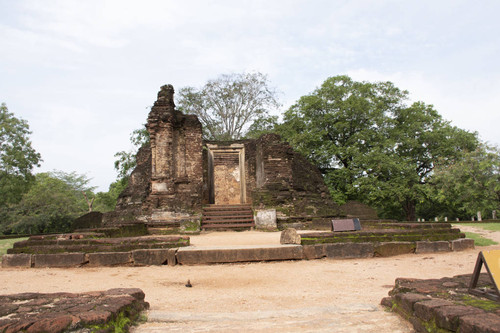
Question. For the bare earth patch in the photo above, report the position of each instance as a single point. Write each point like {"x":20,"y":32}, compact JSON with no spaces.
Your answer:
{"x":301,"y":296}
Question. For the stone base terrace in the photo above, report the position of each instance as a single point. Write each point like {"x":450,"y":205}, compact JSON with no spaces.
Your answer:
{"x":88,"y":249}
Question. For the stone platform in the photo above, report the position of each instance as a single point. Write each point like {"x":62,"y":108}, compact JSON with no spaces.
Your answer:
{"x":444,"y":305}
{"x":232,"y":254}
{"x":101,"y":311}
{"x":95,"y":249}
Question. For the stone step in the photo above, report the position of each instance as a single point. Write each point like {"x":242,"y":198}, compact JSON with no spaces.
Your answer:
{"x":78,"y":234}
{"x":219,"y":208}
{"x":226,"y":205}
{"x":228,"y":225}
{"x":382,"y":236}
{"x":119,"y":230}
{"x":403,"y":225}
{"x":48,"y":246}
{"x":225,"y":221}
{"x":323,"y":234}
{"x":54,"y":249}
{"x":159,"y":223}
{"x":228,"y":212}
{"x":227,"y":217}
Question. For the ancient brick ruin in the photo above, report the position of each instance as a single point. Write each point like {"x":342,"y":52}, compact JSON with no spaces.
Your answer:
{"x":179,"y":173}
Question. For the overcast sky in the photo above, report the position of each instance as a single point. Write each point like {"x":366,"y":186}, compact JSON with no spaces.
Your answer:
{"x":84,"y":73}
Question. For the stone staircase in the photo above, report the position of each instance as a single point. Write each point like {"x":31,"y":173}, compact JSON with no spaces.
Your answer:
{"x":227,"y":217}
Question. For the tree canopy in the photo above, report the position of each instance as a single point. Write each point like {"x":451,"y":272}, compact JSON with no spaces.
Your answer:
{"x":17,"y":157}
{"x":228,"y":105}
{"x":53,"y":201}
{"x":471,"y":183}
{"x":370,"y":145}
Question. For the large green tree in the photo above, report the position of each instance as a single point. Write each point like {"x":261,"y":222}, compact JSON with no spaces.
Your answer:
{"x":17,"y":157}
{"x":417,"y":139}
{"x":338,"y":124}
{"x":471,"y":183}
{"x":52,"y":203}
{"x":370,"y":145}
{"x":229,"y":104}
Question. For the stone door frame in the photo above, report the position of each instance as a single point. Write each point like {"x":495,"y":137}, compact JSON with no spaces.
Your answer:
{"x":236,"y":148}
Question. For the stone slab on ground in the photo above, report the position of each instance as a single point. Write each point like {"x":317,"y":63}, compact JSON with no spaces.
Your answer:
{"x":217,"y":255}
{"x":64,"y":312}
{"x":462,"y":244}
{"x":431,"y":247}
{"x":388,"y":249}
{"x":445,"y":305}
{"x":16,"y":260}
{"x":58,"y":260}
{"x":146,"y":257}
{"x":290,"y":236}
{"x":109,"y":259}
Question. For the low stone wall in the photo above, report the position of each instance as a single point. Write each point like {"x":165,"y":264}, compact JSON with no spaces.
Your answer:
{"x":140,"y":257}
{"x":223,"y":255}
{"x":101,"y":311}
{"x":85,"y":243}
{"x":231,"y":254}
{"x":444,"y":305}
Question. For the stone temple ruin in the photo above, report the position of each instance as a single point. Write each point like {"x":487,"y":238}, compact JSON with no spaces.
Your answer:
{"x":180,"y":180}
{"x":183,"y":184}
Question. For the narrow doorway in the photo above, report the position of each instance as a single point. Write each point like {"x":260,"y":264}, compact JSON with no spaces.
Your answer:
{"x":227,"y":174}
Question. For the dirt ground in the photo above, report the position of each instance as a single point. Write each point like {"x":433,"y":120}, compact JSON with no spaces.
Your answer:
{"x":292,"y":296}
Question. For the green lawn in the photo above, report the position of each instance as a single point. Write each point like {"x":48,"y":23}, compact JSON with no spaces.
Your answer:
{"x":7,"y":244}
{"x":485,"y":226}
{"x":480,"y":240}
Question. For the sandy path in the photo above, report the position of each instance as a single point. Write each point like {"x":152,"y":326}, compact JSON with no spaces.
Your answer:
{"x":319,"y":295}
{"x":493,"y":235}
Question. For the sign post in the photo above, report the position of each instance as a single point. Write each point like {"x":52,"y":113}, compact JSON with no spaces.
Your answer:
{"x":491,"y":260}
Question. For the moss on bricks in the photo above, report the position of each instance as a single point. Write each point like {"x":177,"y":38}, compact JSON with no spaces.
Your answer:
{"x":485,"y":304}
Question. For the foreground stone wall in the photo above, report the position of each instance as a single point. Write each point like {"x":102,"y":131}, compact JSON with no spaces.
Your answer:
{"x":444,"y":305}
{"x":99,"y":311}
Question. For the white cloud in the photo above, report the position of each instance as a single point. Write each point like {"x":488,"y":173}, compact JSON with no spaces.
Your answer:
{"x":83,"y":72}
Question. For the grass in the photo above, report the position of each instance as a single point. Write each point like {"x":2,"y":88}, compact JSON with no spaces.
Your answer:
{"x":480,"y":240}
{"x":485,"y":226}
{"x":6,"y":244}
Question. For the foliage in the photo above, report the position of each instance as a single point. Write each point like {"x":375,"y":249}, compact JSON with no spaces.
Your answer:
{"x":480,"y":240}
{"x":106,"y":201}
{"x":50,"y":205}
{"x":472,"y":182}
{"x":262,"y":125}
{"x":228,"y":105}
{"x":370,"y":145}
{"x":17,"y":157}
{"x":126,"y":161}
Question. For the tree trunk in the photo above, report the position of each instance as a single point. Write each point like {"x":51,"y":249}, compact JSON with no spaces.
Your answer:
{"x":90,"y":203}
{"x":409,"y":209}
